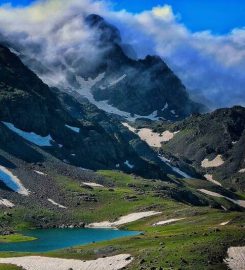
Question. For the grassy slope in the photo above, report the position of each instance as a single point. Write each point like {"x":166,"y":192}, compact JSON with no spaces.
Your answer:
{"x":197,"y":242}
{"x":112,"y":204}
{"x":9,"y":267}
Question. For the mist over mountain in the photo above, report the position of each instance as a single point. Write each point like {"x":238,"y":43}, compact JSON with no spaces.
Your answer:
{"x":105,"y":73}
{"x":212,"y":64}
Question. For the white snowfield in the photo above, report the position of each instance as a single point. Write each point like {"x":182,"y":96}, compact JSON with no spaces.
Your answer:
{"x":75,"y":129}
{"x":236,"y":258}
{"x":214,"y":194}
{"x":123,"y":220}
{"x":6,"y":203}
{"x":44,"y":263}
{"x":12,"y":181}
{"x":92,"y":184}
{"x":216,"y":162}
{"x":151,"y":138}
{"x":209,"y":177}
{"x":85,"y":91}
{"x":31,"y":136}
{"x":242,"y":171}
{"x":169,"y":221}
{"x":57,"y":204}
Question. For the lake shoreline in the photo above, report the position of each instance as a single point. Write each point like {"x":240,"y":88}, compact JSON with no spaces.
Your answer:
{"x":48,"y":240}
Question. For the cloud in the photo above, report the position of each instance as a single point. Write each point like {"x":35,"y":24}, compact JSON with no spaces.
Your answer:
{"x":163,"y":12}
{"x":211,"y":66}
{"x":49,"y":33}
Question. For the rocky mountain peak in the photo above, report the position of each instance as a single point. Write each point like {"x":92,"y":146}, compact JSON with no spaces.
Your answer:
{"x":107,"y":33}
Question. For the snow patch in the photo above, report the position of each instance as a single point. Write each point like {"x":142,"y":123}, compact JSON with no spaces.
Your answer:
{"x":6,"y":203}
{"x":164,"y":222}
{"x":178,"y":171}
{"x":225,"y":223}
{"x":130,"y":128}
{"x":242,"y":171}
{"x":127,"y":163}
{"x":124,"y":220}
{"x":57,"y":204}
{"x":118,"y":80}
{"x":12,"y":181}
{"x":209,"y":177}
{"x":236,"y":258}
{"x":165,"y":107}
{"x":175,"y":169}
{"x":30,"y":136}
{"x":224,"y":208}
{"x":153,"y":139}
{"x":40,"y":173}
{"x":45,"y":263}
{"x":92,"y":184}
{"x":216,"y":162}
{"x":214,"y":194}
{"x":14,"y":51}
{"x":75,"y":129}
{"x":85,"y":91}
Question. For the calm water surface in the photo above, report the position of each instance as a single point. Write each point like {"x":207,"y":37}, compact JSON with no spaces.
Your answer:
{"x":53,"y":239}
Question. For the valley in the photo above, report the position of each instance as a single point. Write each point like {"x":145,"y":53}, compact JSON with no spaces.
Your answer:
{"x":110,"y":164}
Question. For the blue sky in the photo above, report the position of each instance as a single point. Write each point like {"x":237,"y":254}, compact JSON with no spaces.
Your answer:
{"x":218,"y":16}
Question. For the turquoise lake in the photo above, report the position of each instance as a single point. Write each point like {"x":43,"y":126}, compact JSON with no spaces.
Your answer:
{"x":53,"y":239}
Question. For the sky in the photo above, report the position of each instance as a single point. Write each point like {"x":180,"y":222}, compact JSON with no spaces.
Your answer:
{"x":218,"y":16}
{"x":202,"y":41}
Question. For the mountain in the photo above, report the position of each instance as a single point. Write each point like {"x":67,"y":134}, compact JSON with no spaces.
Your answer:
{"x":77,"y":133}
{"x":212,"y":143}
{"x":140,"y":87}
{"x":112,"y":77}
{"x":69,"y":159}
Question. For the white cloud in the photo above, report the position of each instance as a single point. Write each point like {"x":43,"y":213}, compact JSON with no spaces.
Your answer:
{"x":212,"y":65}
{"x":163,"y":12}
{"x":209,"y":65}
